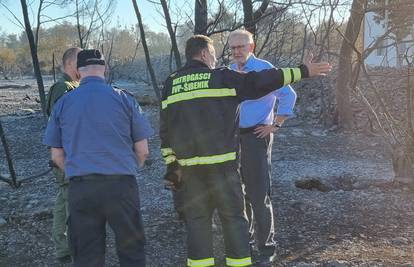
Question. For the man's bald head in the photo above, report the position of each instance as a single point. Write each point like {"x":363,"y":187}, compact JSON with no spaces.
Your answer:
{"x":70,"y":55}
{"x":69,"y":59}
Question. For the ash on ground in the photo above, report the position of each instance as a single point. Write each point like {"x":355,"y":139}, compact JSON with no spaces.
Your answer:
{"x":359,"y":218}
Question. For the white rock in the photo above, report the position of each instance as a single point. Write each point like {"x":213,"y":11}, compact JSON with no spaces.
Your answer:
{"x":304,"y":264}
{"x":297,"y":132}
{"x":337,"y":264}
{"x":280,"y":135}
{"x":5,"y":175}
{"x":3,"y":222}
{"x":398,"y":241}
{"x":318,"y":133}
{"x":28,"y":110}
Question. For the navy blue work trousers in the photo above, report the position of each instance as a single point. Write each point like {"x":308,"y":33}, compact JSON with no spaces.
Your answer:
{"x":95,"y":200}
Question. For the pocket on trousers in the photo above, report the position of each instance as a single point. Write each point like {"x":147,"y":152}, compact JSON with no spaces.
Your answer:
{"x":128,"y":189}
{"x":71,"y":237}
{"x":234,"y":193}
{"x":233,"y":175}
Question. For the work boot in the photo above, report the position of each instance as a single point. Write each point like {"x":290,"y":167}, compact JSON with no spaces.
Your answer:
{"x":266,"y":261}
{"x":263,"y":264}
{"x":253,"y":249}
{"x":65,"y":259}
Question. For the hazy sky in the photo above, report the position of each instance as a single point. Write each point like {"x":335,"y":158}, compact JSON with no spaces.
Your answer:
{"x":124,"y":14}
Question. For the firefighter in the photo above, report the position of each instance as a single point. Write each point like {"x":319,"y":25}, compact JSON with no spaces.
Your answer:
{"x":199,"y":143}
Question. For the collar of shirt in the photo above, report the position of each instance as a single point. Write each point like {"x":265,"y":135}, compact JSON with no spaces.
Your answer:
{"x":66,"y":77}
{"x":249,"y":66}
{"x":195,"y":63}
{"x":92,"y":79}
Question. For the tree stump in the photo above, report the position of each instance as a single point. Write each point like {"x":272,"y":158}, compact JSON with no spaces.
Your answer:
{"x":403,"y":165}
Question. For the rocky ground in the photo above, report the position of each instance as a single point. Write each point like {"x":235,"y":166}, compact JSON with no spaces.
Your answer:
{"x":333,"y":200}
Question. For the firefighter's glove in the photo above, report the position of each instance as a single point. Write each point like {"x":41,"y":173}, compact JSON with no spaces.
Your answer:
{"x":173,"y":179}
{"x":52,"y":164}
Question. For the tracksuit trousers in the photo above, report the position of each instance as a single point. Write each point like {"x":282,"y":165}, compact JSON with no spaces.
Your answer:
{"x":255,"y":168}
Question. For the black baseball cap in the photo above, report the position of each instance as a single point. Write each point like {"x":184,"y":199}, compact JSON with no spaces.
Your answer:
{"x":89,"y":57}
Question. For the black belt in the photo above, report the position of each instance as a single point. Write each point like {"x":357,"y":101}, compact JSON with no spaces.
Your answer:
{"x":249,"y":129}
{"x":98,"y":177}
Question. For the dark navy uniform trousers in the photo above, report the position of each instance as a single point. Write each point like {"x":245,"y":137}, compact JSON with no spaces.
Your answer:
{"x":95,"y":200}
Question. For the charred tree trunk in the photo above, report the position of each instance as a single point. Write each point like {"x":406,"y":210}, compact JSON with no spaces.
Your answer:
{"x":402,"y":156}
{"x":146,"y":51}
{"x":410,"y":101}
{"x":78,"y":26}
{"x":13,"y":181}
{"x":33,"y":51}
{"x":53,"y":67}
{"x":200,"y":17}
{"x":171,"y":32}
{"x":248,"y":16}
{"x":402,"y":164}
{"x":251,"y":18}
{"x":343,"y":86}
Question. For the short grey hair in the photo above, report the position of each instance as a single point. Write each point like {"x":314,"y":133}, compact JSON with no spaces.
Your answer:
{"x":70,"y":54}
{"x":248,"y":35}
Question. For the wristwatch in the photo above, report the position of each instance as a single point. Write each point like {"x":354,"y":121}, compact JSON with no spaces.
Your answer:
{"x":275,"y":124}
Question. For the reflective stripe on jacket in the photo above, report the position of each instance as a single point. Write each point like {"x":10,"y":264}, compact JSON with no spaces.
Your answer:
{"x":199,"y":114}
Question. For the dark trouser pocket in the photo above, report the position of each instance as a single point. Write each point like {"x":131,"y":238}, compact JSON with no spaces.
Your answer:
{"x":71,"y":238}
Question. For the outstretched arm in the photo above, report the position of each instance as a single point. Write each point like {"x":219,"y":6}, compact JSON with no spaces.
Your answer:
{"x":253,"y":85}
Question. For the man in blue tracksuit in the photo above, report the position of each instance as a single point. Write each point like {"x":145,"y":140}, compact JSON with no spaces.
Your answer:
{"x":257,"y":126}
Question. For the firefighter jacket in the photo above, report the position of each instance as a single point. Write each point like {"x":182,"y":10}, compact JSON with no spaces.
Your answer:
{"x":199,"y":114}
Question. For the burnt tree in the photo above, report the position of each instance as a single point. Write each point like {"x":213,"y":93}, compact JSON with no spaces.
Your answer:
{"x":33,"y":52}
{"x":200,"y":17}
{"x":171,"y":32}
{"x":252,"y":17}
{"x":146,"y":51}
{"x":343,"y":86}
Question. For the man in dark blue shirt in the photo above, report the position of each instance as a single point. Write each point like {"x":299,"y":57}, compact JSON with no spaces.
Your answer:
{"x":98,"y":136}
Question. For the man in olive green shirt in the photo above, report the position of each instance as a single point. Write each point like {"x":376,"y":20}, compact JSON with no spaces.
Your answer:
{"x":68,"y":82}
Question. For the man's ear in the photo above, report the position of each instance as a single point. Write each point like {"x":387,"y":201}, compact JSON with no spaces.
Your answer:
{"x":251,"y":47}
{"x":72,"y":63}
{"x":203,"y":53}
